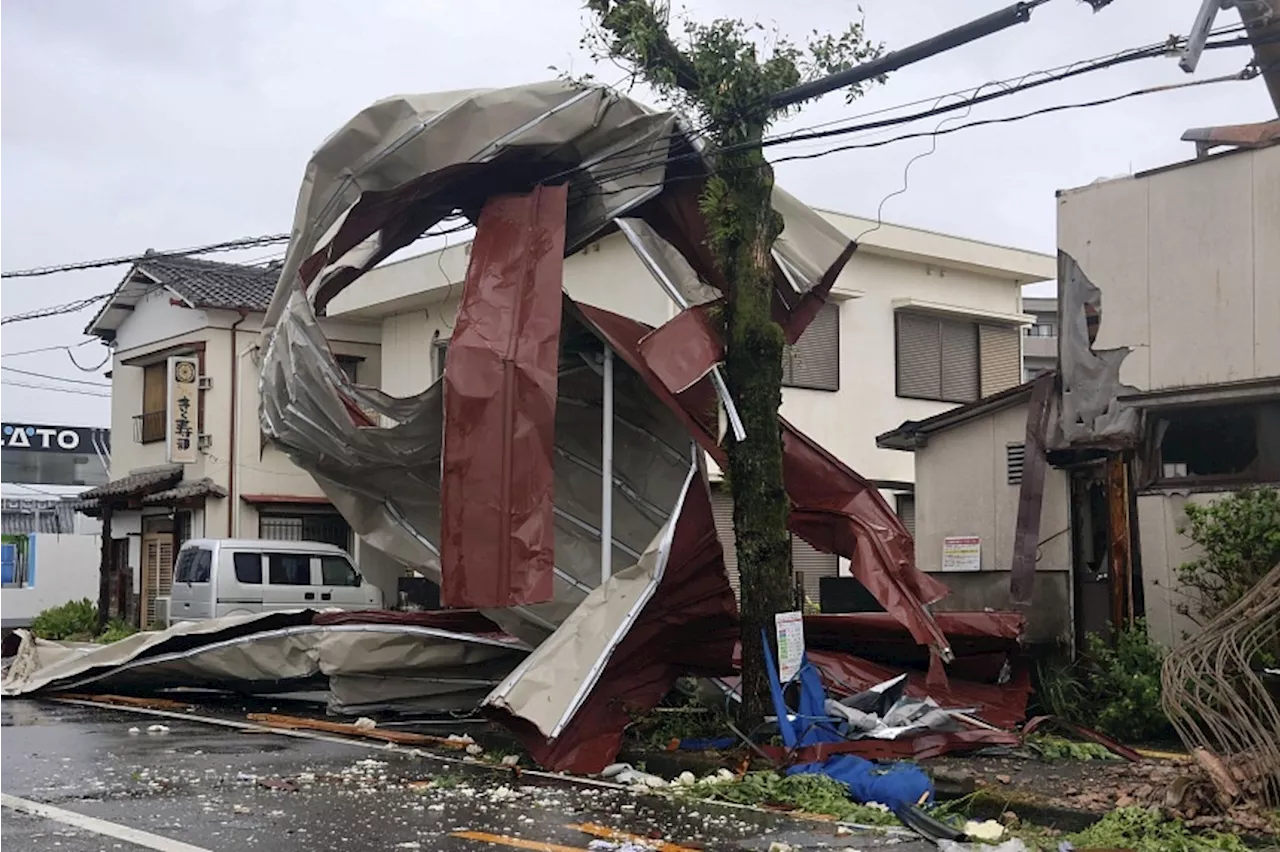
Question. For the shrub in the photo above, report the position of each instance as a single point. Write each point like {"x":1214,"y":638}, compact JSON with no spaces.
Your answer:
{"x":1114,"y":688}
{"x":1240,"y":537}
{"x":73,"y":620}
{"x":116,"y":630}
{"x":1123,"y":686}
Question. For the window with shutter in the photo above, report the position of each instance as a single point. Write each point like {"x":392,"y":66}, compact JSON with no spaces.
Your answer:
{"x":722,"y":509}
{"x":959,"y":361}
{"x":937,"y":358}
{"x":155,"y":397}
{"x":814,"y":361}
{"x":919,"y":357}
{"x":440,"y":351}
{"x":810,"y":565}
{"x":1001,"y":358}
{"x":906,"y":506}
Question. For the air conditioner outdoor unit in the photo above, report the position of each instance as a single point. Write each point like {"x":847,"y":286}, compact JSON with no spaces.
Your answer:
{"x":163,"y":609}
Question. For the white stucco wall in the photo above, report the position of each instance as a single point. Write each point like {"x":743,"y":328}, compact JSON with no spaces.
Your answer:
{"x":1188,"y":262}
{"x":63,"y":568}
{"x":962,"y":489}
{"x":417,"y":299}
{"x":1164,"y":548}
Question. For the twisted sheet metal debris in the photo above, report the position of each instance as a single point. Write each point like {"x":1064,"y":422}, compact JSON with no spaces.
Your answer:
{"x":395,"y":467}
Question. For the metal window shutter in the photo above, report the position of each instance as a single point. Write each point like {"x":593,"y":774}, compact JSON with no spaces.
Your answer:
{"x":814,"y":361}
{"x":999,"y":347}
{"x":812,"y":565}
{"x":919,"y":357}
{"x":1014,"y":455}
{"x":722,"y":508}
{"x":907,"y":512}
{"x":959,"y":361}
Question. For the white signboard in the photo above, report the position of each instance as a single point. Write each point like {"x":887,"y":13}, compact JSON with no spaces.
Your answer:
{"x":182,"y":427}
{"x":962,"y":553}
{"x":790,"y":644}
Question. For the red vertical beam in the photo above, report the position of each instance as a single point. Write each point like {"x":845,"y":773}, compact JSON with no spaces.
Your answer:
{"x":1118,"y":527}
{"x":497,"y":544}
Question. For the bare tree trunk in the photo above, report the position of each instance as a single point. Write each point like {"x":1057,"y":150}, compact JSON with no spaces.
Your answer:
{"x":753,"y":371}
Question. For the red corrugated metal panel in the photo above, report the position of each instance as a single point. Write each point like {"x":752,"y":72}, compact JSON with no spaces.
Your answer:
{"x":689,"y":627}
{"x":497,"y":545}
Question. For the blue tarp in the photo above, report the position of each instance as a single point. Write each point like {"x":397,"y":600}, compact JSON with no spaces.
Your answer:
{"x":895,"y":785}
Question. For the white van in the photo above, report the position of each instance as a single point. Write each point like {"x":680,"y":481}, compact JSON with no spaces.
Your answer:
{"x":217,"y":577}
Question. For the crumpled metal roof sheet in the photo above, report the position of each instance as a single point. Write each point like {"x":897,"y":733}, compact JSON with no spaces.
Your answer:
{"x":405,"y":164}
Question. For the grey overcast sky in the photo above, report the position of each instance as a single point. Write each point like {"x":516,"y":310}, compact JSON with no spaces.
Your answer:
{"x":168,"y":123}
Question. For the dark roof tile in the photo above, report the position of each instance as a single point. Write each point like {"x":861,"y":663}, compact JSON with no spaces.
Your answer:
{"x":209,"y":284}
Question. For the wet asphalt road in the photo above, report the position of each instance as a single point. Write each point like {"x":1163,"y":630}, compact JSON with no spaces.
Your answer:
{"x":220,"y":789}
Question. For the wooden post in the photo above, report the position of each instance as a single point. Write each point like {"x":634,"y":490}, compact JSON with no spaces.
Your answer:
{"x":1118,"y":550}
{"x":104,"y":570}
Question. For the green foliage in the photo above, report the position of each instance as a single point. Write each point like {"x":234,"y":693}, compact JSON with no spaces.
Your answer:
{"x":683,"y":716}
{"x":1115,"y":688}
{"x":1124,"y":685}
{"x":1240,"y":537}
{"x":75,"y":620}
{"x":116,"y":630}
{"x":1053,"y":748}
{"x":1143,"y":830}
{"x":815,"y":794}
{"x":724,"y":69}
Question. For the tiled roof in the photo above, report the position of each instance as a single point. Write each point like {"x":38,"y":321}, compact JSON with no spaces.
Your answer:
{"x":38,"y":516}
{"x":209,"y":284}
{"x":141,"y":482}
{"x":186,"y":490}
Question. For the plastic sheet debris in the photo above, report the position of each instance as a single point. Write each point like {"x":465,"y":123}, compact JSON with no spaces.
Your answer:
{"x":896,"y":786}
{"x":885,"y":712}
{"x":985,"y":830}
{"x":157,"y":729}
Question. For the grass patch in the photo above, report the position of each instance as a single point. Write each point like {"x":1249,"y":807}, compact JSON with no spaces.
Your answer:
{"x":116,"y":630}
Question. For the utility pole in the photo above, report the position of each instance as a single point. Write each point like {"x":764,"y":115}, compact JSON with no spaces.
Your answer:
{"x":972,"y":31}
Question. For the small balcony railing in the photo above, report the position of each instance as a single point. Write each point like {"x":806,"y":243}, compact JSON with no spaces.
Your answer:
{"x":149,"y":428}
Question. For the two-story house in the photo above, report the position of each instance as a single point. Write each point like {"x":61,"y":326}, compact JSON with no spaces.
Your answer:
{"x":188,"y":459}
{"x":917,"y":323}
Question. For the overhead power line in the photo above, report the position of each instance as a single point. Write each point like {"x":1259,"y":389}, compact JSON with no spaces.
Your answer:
{"x":56,"y":378}
{"x":52,"y":389}
{"x":1244,"y":75}
{"x":56,"y":310}
{"x":1006,"y":88}
{"x":228,"y":245}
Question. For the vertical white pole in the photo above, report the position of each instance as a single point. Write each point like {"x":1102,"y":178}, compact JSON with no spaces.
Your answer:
{"x":606,"y":472}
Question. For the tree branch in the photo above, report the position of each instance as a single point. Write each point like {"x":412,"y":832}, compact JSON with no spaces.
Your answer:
{"x":639,"y":30}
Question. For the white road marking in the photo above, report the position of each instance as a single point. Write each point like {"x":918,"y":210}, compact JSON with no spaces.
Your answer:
{"x":98,"y":826}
